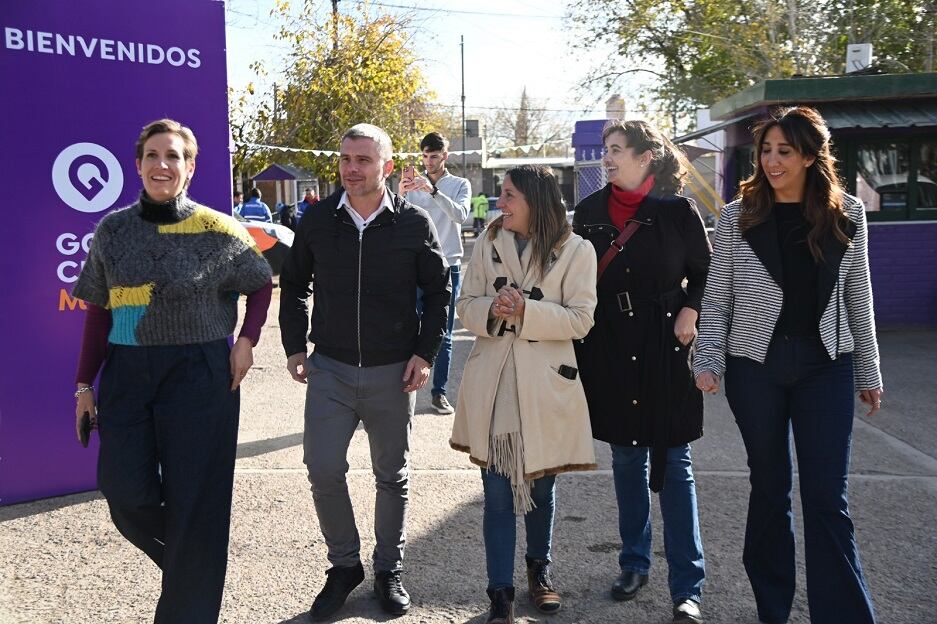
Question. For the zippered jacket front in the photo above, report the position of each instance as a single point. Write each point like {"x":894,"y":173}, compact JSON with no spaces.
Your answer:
{"x":364,"y":299}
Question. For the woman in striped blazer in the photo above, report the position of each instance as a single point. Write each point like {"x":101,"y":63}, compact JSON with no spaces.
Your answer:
{"x":787,"y":319}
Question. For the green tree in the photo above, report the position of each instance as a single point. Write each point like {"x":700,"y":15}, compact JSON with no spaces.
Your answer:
{"x":357,"y":68}
{"x":699,"y":51}
{"x":249,"y":116}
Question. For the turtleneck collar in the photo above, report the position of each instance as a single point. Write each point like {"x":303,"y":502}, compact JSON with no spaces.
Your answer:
{"x":623,"y":204}
{"x":635,"y":197}
{"x":175,"y":210}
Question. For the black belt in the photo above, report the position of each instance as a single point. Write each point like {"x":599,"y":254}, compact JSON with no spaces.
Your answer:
{"x":627,"y":301}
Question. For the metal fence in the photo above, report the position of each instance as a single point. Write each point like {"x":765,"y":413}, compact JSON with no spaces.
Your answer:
{"x":589,"y":177}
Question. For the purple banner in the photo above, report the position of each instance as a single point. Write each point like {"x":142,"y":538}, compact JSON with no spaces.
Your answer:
{"x":80,"y":80}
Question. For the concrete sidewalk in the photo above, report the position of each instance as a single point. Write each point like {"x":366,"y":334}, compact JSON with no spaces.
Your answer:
{"x":61,"y":560}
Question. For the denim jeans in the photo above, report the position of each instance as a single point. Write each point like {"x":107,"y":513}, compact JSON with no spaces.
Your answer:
{"x":800,"y":388}
{"x":499,"y":525}
{"x":443,"y":358}
{"x":682,"y":544}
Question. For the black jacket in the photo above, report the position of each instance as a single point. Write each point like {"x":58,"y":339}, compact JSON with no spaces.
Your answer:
{"x":634,"y":370}
{"x":364,"y":306}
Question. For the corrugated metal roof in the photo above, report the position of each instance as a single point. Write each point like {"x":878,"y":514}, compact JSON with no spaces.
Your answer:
{"x":814,"y":91}
{"x":907,"y":114}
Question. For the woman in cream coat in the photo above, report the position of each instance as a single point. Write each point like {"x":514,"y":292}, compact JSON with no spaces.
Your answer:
{"x":529,"y":291}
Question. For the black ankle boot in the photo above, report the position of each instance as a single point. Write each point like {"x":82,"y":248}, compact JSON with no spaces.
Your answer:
{"x":502,"y":606}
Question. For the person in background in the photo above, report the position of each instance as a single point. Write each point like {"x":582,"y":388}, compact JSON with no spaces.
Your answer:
{"x":254,"y":209}
{"x":642,"y":397}
{"x":368,"y":251}
{"x":161,"y":284}
{"x":446,"y":198}
{"x":287,"y":215}
{"x":310,"y":198}
{"x":521,"y":415}
{"x":479,"y":212}
{"x":788,"y":320}
{"x":238,"y":199}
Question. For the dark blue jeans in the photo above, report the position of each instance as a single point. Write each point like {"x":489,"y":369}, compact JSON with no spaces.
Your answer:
{"x":168,"y":425}
{"x":799,"y":388}
{"x":443,"y":358}
{"x":499,"y":525}
{"x":682,"y":543}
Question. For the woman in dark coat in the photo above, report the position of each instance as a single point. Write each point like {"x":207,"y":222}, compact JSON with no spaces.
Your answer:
{"x":634,"y":363}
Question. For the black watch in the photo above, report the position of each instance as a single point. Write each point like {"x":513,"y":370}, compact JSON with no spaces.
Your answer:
{"x":435,"y":191}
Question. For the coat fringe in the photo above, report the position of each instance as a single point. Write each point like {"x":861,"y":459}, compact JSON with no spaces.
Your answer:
{"x":507,"y":459}
{"x":532,"y":475}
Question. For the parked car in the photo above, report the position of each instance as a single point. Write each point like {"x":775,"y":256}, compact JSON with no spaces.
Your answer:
{"x":273,"y":239}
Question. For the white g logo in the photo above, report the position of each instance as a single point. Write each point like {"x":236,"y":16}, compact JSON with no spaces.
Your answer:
{"x":87,"y":177}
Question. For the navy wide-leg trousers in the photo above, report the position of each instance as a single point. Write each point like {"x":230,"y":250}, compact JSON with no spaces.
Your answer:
{"x":168,"y":424}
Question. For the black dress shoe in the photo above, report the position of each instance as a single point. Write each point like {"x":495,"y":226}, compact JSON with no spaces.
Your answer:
{"x":338,"y":585}
{"x":627,"y":584}
{"x":389,"y":589}
{"x":687,"y":612}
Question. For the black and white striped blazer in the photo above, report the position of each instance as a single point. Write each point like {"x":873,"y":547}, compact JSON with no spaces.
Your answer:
{"x":743,"y":296}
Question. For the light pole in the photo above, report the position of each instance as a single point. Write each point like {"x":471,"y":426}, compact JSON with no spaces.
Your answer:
{"x":462,"y":51}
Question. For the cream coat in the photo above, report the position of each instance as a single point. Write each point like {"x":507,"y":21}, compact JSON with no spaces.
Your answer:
{"x":554,"y":417}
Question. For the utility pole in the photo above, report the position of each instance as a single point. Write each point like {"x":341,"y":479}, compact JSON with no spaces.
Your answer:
{"x":462,"y":51}
{"x":276,"y":104}
{"x":929,"y":57}
{"x":335,"y":25}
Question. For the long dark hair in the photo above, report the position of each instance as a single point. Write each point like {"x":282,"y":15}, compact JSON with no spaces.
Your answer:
{"x":806,"y":132}
{"x":667,"y":161}
{"x":548,"y":225}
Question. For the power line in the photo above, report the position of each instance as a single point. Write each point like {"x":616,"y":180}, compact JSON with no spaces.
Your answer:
{"x":458,"y":12}
{"x":550,"y":110}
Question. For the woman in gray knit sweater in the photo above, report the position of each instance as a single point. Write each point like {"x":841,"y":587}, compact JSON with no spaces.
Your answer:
{"x":161,"y":282}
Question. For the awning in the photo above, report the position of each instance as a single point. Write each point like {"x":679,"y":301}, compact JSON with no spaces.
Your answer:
{"x":713,"y":128}
{"x":905,"y":114}
{"x":843,"y":115}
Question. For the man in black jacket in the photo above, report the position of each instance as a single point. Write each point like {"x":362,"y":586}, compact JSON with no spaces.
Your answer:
{"x":368,"y":251}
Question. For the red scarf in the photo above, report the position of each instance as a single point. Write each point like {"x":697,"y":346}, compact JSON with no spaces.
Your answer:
{"x":622,"y":204}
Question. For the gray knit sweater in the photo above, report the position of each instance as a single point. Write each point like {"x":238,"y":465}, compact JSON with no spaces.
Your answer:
{"x":170,"y":273}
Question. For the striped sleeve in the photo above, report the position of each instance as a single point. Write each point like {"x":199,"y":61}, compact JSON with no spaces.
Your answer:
{"x":857,"y":297}
{"x":711,"y":345}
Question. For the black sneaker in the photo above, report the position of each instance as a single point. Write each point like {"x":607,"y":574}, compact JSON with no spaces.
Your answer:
{"x":389,"y":589}
{"x":338,"y":585}
{"x":441,"y":404}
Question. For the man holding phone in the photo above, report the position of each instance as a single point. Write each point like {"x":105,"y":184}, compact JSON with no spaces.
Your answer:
{"x":447,"y":199}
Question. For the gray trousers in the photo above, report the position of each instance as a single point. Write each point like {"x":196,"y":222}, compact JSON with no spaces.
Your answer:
{"x":338,"y":396}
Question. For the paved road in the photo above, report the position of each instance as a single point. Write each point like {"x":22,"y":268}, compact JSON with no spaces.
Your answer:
{"x":61,"y":560}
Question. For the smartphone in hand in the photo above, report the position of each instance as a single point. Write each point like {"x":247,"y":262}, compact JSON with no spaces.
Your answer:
{"x":84,"y":430}
{"x":408,"y":172}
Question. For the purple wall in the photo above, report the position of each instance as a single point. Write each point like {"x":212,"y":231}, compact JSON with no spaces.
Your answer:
{"x":587,"y":146}
{"x":903,"y":257}
{"x":80,"y":80}
{"x":587,"y":139}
